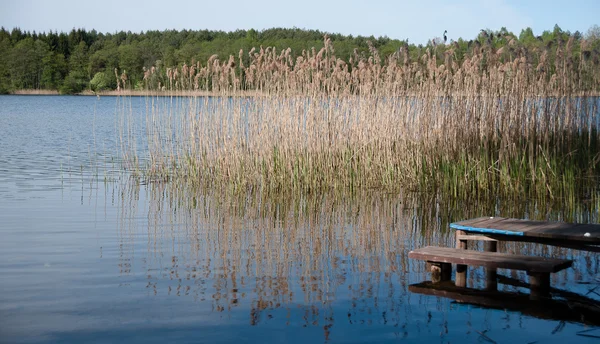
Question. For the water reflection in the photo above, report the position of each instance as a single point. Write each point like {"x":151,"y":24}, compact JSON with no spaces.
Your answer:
{"x":565,"y":306}
{"x":312,"y":261}
{"x":265,"y":254}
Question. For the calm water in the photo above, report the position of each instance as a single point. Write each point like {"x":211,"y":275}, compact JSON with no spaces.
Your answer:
{"x":89,"y":255}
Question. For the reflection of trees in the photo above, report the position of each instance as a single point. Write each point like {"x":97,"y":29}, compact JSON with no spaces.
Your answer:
{"x":305,"y":255}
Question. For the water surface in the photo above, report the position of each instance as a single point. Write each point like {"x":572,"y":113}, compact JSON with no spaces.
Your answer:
{"x":89,"y":254}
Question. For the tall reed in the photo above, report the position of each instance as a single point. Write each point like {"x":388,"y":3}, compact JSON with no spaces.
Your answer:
{"x":496,"y":121}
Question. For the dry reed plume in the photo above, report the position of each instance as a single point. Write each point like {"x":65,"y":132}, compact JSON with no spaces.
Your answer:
{"x":495,"y":121}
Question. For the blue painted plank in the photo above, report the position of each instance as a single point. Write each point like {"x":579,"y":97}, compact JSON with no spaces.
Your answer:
{"x":484,"y":230}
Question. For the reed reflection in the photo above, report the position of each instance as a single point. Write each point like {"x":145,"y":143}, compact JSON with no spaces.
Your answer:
{"x":311,"y":260}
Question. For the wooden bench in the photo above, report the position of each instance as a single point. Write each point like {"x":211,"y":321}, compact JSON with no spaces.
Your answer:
{"x":538,"y":268}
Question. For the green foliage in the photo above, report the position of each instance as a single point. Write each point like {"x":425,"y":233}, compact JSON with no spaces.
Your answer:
{"x":527,"y":36}
{"x":104,"y":56}
{"x":5,"y":85}
{"x":78,"y":61}
{"x":47,"y":60}
{"x":103,"y":81}
{"x":130,"y":60}
{"x":593,"y":33}
{"x":25,"y":64}
{"x":55,"y":70}
{"x":75,"y":82}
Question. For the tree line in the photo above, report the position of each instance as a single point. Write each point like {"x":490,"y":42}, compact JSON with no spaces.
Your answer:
{"x":89,"y":60}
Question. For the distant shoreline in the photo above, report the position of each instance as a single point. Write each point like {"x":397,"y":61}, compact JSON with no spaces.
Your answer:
{"x":134,"y":93}
{"x":35,"y":92}
{"x":144,"y":93}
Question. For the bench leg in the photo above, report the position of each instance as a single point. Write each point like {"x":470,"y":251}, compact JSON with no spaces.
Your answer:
{"x":539,"y":284}
{"x":440,"y":272}
{"x":461,"y":270}
{"x":491,"y":276}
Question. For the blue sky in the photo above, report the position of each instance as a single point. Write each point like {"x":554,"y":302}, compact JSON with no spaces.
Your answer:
{"x":417,"y":21}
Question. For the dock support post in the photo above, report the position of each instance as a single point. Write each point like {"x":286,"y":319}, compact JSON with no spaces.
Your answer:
{"x":440,"y":272}
{"x":491,"y":276}
{"x":539,"y":283}
{"x":461,"y":270}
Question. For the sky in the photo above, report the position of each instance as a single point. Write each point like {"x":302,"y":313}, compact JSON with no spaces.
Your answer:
{"x":417,"y":21}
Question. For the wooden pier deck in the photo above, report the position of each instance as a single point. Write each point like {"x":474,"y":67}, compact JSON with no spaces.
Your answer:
{"x":571,"y":235}
{"x":494,"y":229}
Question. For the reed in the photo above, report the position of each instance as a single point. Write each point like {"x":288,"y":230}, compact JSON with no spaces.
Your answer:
{"x":504,"y":121}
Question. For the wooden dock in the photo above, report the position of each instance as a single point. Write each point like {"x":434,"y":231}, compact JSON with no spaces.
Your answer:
{"x":492,"y":260}
{"x":538,"y":268}
{"x":494,"y":229}
{"x":570,"y":235}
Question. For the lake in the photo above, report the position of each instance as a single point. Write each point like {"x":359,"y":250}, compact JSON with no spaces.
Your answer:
{"x":89,"y":254}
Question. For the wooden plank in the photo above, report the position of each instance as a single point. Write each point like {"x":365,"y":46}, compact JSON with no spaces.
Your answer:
{"x":475,"y":237}
{"x":501,"y":223}
{"x":489,"y":226}
{"x":534,"y":226}
{"x":576,"y":245}
{"x":481,"y":222}
{"x":546,"y":308}
{"x":589,"y":233}
{"x":578,"y":232}
{"x":493,"y":260}
{"x":476,"y":221}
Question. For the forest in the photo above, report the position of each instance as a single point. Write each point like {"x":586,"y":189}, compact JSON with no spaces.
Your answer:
{"x":83,"y":60}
